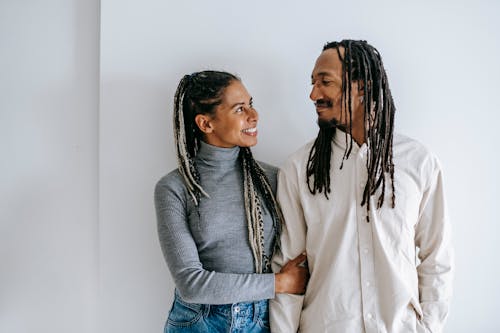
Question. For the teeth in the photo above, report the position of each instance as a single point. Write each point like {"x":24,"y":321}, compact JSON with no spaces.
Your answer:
{"x":250,"y":130}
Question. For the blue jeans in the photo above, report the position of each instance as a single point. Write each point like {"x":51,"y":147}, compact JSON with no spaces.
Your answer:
{"x":248,"y":317}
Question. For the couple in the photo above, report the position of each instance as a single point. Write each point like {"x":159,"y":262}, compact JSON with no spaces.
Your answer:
{"x":362,"y":207}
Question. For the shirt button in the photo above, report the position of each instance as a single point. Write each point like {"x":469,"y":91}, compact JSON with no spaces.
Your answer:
{"x":368,"y":283}
{"x":365,"y":250}
{"x":369,"y":316}
{"x":237,"y":309}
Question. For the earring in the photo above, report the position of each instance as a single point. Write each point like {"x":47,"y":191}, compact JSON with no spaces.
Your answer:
{"x":361,"y":99}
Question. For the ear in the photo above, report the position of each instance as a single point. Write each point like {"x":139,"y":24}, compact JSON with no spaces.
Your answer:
{"x":203,"y":123}
{"x":359,"y":87}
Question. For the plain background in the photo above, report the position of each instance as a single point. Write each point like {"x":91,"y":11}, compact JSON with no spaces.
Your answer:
{"x":86,"y":94}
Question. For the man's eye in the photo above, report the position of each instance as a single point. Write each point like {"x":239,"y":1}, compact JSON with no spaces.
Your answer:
{"x":239,"y":109}
{"x":326,"y":82}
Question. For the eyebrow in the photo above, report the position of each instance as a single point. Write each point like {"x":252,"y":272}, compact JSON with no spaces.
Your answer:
{"x":241,"y":103}
{"x":321,"y":74}
{"x":330,"y":75}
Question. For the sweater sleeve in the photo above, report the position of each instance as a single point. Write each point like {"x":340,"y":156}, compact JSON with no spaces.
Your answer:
{"x":193,"y":282}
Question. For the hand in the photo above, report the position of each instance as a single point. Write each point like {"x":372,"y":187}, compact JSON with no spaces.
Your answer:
{"x":293,"y":277}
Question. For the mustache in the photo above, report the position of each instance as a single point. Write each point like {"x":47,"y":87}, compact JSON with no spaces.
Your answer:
{"x":324,"y":103}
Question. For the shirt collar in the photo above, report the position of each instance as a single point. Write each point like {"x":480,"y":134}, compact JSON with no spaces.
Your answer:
{"x":342,"y":140}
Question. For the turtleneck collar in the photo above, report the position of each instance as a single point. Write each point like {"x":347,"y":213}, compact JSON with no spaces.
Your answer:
{"x":213,"y":155}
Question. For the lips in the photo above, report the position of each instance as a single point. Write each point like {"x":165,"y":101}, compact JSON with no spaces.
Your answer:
{"x":250,"y":131}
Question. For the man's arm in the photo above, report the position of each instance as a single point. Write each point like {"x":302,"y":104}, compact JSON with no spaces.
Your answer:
{"x":433,"y":237}
{"x":285,"y":308}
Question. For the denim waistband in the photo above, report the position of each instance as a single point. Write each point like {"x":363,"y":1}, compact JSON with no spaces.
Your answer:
{"x":242,"y":306}
{"x":242,"y":309}
{"x":253,"y":310}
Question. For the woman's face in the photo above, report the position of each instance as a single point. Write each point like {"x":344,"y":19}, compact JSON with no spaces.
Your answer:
{"x":235,"y":120}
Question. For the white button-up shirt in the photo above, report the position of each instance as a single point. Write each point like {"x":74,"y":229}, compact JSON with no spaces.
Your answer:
{"x":392,"y":274}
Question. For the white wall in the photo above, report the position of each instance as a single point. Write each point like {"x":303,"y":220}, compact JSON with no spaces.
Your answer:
{"x":48,"y":165}
{"x":442,"y":64}
{"x":76,"y":178}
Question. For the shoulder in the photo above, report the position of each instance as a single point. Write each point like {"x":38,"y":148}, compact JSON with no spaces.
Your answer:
{"x":412,"y":150}
{"x":413,"y":157}
{"x":298,"y":159}
{"x":271,"y":172}
{"x":171,"y":184}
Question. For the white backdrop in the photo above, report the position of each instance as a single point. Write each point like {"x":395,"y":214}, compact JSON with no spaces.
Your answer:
{"x":76,"y":184}
{"x":442,"y":60}
{"x":49,"y":60}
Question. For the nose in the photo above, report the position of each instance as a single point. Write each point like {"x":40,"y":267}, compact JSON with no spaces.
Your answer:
{"x":253,"y":115}
{"x":315,"y":93}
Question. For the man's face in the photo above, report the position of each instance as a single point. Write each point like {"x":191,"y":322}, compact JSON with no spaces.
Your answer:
{"x":326,"y":92}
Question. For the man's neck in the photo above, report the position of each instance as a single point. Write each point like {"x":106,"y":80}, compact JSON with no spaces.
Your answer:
{"x":358,"y":125}
{"x":358,"y":135}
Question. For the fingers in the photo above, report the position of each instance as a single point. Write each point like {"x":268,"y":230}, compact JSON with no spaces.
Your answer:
{"x":299,"y":259}
{"x":304,"y":276}
{"x":297,"y":262}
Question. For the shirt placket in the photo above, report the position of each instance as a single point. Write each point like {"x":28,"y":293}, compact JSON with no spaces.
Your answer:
{"x":365,"y":250}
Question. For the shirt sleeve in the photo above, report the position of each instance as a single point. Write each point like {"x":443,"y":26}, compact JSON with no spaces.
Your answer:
{"x":433,"y":238}
{"x":193,"y":282}
{"x":285,"y":309}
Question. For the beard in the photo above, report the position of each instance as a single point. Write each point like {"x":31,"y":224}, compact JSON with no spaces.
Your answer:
{"x":331,"y":124}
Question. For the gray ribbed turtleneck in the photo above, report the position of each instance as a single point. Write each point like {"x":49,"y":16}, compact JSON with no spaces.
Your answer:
{"x":206,"y":247}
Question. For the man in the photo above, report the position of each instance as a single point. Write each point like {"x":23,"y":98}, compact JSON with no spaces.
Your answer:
{"x":368,"y":208}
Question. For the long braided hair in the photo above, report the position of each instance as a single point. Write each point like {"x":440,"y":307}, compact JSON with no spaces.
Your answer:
{"x":201,"y":93}
{"x":360,"y":62}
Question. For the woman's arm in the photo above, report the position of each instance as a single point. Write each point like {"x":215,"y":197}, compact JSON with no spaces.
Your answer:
{"x":193,"y":282}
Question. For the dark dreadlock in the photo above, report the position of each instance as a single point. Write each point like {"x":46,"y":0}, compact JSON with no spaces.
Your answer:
{"x":360,"y":62}
{"x":201,"y":93}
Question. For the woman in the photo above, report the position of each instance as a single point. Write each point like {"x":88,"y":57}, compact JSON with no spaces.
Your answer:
{"x":218,"y":220}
